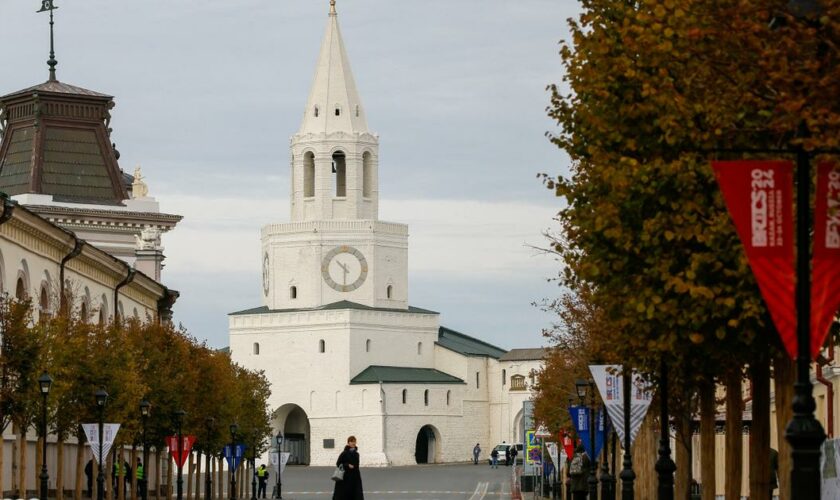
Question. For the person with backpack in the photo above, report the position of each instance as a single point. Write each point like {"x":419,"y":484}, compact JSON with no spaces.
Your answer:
{"x":494,"y":456}
{"x":579,"y":472}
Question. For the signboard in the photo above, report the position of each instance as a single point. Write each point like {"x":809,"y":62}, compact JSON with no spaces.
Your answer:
{"x":273,"y":460}
{"x":759,"y":197}
{"x":529,"y":468}
{"x":533,"y":450}
{"x":542,"y":432}
{"x":234,"y":455}
{"x":580,"y":419}
{"x":109,"y":432}
{"x":187,"y":443}
{"x":825,"y":284}
{"x":610,"y":385}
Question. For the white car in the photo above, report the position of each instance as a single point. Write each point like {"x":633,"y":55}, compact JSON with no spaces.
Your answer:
{"x":502,"y":449}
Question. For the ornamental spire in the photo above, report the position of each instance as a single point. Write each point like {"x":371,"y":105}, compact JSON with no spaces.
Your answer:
{"x":47,"y":5}
{"x":332,"y":8}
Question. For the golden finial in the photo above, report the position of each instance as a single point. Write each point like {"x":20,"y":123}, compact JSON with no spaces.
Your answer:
{"x":332,"y":7}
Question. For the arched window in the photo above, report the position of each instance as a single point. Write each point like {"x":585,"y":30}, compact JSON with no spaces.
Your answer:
{"x":316,"y":111}
{"x":83,"y":312}
{"x":367,"y":175}
{"x":322,"y":346}
{"x":292,"y":292}
{"x":121,"y":310}
{"x":389,"y":292}
{"x":504,"y":377}
{"x":448,"y":396}
{"x":337,"y":111}
{"x":44,"y":303}
{"x":426,"y":397}
{"x":419,"y":347}
{"x":477,"y":379}
{"x":367,"y":345}
{"x":309,"y":174}
{"x":405,"y":395}
{"x":20,"y":289}
{"x":339,"y":168}
{"x":517,"y":383}
{"x":101,"y":317}
{"x":136,"y":314}
{"x":357,"y":110}
{"x":256,"y":348}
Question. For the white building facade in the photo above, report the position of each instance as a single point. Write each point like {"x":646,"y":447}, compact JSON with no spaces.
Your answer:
{"x":336,"y":337}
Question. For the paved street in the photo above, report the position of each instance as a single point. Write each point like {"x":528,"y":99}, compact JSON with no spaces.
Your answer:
{"x":425,"y":482}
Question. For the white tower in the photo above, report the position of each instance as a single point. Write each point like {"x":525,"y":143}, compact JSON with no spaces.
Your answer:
{"x":335,"y":248}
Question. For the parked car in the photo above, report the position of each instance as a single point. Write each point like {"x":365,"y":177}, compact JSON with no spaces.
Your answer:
{"x":502,"y":449}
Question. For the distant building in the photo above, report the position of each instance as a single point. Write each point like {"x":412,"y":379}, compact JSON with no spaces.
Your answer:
{"x":336,"y":337}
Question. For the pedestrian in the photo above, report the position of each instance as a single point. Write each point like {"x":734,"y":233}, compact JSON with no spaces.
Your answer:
{"x":494,"y":458}
{"x":262,"y":478}
{"x":476,"y":452}
{"x":139,"y":473}
{"x":579,"y":472}
{"x":350,"y":487}
{"x":507,"y":456}
{"x":513,"y":454}
{"x":89,"y":474}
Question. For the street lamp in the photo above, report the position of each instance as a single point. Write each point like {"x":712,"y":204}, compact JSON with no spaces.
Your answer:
{"x":593,"y":480}
{"x":279,"y":441}
{"x":44,"y":381}
{"x":145,"y":409}
{"x":233,"y":430}
{"x":101,"y":398}
{"x":179,"y":417}
{"x":581,"y":386}
{"x":209,"y":423}
{"x":627,"y":474}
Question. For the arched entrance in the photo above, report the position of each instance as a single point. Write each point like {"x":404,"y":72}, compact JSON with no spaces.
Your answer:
{"x":294,"y":423}
{"x":426,"y":446}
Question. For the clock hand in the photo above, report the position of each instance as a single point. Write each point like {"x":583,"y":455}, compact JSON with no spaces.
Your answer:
{"x":345,"y":269}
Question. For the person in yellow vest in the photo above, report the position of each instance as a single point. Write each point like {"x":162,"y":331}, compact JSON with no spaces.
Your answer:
{"x":262,"y":477}
{"x":141,"y":483}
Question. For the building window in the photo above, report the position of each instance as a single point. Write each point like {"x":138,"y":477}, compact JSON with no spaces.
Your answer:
{"x":20,"y":290}
{"x":101,"y":317}
{"x":44,"y":303}
{"x":309,"y":174}
{"x":448,"y":395}
{"x":316,"y":111}
{"x":83,"y":312}
{"x":256,"y":348}
{"x":357,"y":110}
{"x":337,"y":111}
{"x":322,"y":346}
{"x":533,"y":377}
{"x":293,"y":292}
{"x":426,"y":397}
{"x":367,"y":345}
{"x":504,"y":377}
{"x":389,"y":292}
{"x":419,"y":347}
{"x":517,"y":383}
{"x":367,"y":175}
{"x":477,"y":379}
{"x":339,"y":168}
{"x":405,"y":395}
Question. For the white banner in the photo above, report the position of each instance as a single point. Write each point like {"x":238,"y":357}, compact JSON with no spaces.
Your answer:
{"x":552,"y":452}
{"x":284,"y":459}
{"x":609,"y":380}
{"x":109,"y":432}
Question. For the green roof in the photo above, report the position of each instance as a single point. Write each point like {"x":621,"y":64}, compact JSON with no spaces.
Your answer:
{"x":469,"y":346}
{"x":401,"y":375}
{"x":344,"y":304}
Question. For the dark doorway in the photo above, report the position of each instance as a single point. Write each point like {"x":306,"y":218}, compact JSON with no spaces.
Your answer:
{"x":424,"y":451}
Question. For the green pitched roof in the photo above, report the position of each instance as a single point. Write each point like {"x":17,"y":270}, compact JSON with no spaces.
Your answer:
{"x":402,"y":375}
{"x":469,"y":346}
{"x":343,"y":304}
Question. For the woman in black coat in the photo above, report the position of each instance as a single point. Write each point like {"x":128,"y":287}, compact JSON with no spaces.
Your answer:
{"x":350,"y":488}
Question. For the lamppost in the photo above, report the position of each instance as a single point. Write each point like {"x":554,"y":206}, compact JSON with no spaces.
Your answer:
{"x":179,"y":417}
{"x":145,"y":409}
{"x":627,"y":474}
{"x":233,"y":430}
{"x":279,"y":441}
{"x":209,"y":423}
{"x":583,"y":388}
{"x":101,"y":398}
{"x":664,"y":465}
{"x":254,"y":472}
{"x":44,"y":381}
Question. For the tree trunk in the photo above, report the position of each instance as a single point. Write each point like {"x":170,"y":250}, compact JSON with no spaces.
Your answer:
{"x":221,"y":484}
{"x":708,"y":410}
{"x":784,"y":376}
{"x":760,"y":431}
{"x":121,"y":472}
{"x":170,"y":487}
{"x":15,"y":484}
{"x":80,"y":468}
{"x":157,"y":472}
{"x":682,"y":452}
{"x":133,"y":462}
{"x":197,"y":476}
{"x":644,"y":458}
{"x":22,"y":478}
{"x":734,"y":435}
{"x":189,"y":476}
{"x":59,"y":468}
{"x":2,"y":454}
{"x":109,"y":476}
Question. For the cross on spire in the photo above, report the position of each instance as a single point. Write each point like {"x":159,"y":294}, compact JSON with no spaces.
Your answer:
{"x":47,"y":5}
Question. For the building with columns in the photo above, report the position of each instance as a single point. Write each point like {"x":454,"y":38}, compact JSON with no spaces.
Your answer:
{"x":344,"y":351}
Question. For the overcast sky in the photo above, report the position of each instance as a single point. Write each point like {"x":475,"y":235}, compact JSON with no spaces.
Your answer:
{"x":209,"y":92}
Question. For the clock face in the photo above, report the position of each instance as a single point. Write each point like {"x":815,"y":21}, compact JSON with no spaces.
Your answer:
{"x":265,"y":274}
{"x":344,"y":268}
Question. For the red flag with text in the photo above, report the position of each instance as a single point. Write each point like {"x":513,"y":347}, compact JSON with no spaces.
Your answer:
{"x":825,"y":284}
{"x":186,"y":447}
{"x":759,"y":196}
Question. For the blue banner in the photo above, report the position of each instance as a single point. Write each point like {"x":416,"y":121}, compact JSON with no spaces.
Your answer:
{"x":580,"y":420}
{"x":234,"y":455}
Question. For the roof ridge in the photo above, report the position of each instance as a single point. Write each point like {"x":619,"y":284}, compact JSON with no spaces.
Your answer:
{"x":471,"y":338}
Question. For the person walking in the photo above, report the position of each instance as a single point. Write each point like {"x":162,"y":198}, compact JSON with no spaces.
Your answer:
{"x":262,"y":478}
{"x":513,"y":454}
{"x":349,"y":488}
{"x":494,"y":459}
{"x":89,"y":474}
{"x":141,"y":481}
{"x":476,"y":453}
{"x":579,"y":472}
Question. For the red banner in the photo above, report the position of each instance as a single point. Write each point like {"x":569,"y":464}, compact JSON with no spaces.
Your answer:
{"x":759,"y":196}
{"x":825,"y":284}
{"x":568,"y":445}
{"x":186,"y":447}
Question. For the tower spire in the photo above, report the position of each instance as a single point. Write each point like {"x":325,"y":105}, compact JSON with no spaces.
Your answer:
{"x":47,"y":5}
{"x":332,"y":8}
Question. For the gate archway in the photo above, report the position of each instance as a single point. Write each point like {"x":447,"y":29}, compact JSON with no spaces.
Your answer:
{"x":427,"y":445}
{"x":294,"y":423}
